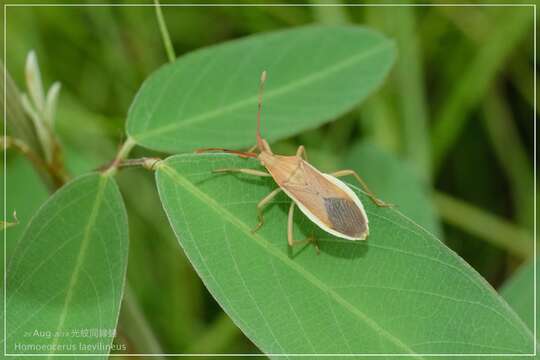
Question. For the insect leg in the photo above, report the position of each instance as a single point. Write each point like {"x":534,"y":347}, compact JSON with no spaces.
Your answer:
{"x":243,"y":171}
{"x":302,"y":152}
{"x":364,"y":186}
{"x":261,"y":205}
{"x":290,"y":239}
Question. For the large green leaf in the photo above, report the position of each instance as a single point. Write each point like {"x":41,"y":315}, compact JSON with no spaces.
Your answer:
{"x":66,"y":275}
{"x":402,"y":291}
{"x":519,"y":292}
{"x":209,"y":97}
{"x":394,"y":181}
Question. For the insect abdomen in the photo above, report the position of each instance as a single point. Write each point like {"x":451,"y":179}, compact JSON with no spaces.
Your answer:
{"x":345,"y":217}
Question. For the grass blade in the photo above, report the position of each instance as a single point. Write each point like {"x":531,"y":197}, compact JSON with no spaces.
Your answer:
{"x":512,"y":156}
{"x":497,"y":231}
{"x":473,"y":84}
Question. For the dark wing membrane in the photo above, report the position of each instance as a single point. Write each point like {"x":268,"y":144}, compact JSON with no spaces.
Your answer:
{"x":345,"y":216}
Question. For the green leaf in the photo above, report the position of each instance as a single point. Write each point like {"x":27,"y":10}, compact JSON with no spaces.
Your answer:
{"x":402,"y":291}
{"x":314,"y":75}
{"x":67,"y":272}
{"x":395,"y":182}
{"x":518,"y":291}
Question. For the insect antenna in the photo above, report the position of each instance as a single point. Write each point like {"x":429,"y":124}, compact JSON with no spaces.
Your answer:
{"x":260,"y":143}
{"x":235,"y":152}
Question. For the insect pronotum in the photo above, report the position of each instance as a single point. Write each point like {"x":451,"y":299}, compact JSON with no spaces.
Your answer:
{"x":323,"y":198}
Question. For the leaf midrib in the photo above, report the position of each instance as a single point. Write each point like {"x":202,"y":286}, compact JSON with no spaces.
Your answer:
{"x":259,"y":240}
{"x":269,"y":94}
{"x":80,"y":257}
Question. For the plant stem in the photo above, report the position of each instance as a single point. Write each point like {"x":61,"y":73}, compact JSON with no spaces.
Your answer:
{"x":7,"y":224}
{"x":58,"y":178}
{"x":410,"y":81}
{"x":378,"y":118}
{"x":148,"y":163}
{"x":496,"y":231}
{"x":135,"y":325}
{"x":164,"y":32}
{"x":331,"y":15}
{"x":120,"y":156}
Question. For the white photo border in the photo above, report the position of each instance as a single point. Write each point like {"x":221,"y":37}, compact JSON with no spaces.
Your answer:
{"x":6,"y":6}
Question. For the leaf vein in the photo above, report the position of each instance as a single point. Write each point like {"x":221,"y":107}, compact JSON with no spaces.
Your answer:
{"x":80,"y":258}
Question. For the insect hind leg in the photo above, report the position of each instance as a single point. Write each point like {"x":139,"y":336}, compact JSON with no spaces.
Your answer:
{"x":261,"y":205}
{"x":364,"y":186}
{"x":290,"y":238}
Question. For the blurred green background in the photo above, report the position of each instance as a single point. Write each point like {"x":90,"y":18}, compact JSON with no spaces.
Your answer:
{"x":457,"y":110}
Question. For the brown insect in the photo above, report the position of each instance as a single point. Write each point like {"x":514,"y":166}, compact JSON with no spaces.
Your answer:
{"x":323,"y":198}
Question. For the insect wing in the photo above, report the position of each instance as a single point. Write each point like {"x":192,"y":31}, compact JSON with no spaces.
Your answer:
{"x":328,"y":202}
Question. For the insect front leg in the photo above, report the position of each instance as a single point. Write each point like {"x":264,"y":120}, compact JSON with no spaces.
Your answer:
{"x":261,"y":205}
{"x":243,"y":171}
{"x":364,"y":186}
{"x":290,"y":238}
